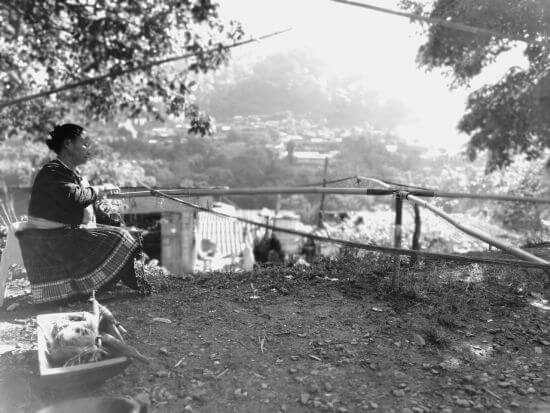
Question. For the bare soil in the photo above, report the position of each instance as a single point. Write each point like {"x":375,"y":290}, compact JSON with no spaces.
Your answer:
{"x":333,"y":337}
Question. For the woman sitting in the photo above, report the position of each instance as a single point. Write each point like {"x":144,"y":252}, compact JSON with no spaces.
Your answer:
{"x":66,"y":254}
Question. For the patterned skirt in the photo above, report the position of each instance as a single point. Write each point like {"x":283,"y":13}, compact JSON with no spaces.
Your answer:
{"x":64,"y":263}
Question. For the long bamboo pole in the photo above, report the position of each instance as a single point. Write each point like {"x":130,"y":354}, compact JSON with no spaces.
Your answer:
{"x":476,"y":233}
{"x":359,"y":245}
{"x":253,"y":191}
{"x":491,"y":197}
{"x":444,"y":194}
{"x":114,"y":74}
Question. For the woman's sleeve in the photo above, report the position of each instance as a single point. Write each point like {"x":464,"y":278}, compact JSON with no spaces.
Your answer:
{"x":63,"y":186}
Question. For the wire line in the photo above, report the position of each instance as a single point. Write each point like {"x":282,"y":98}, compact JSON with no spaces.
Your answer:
{"x":435,"y":20}
{"x":114,"y":74}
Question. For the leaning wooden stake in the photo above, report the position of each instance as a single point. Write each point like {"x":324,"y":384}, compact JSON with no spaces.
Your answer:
{"x":476,"y":233}
{"x":416,"y":234}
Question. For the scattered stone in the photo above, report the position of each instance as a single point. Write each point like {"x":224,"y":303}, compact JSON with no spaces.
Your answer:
{"x":162,"y":320}
{"x":198,"y":394}
{"x":468,"y":379}
{"x":292,"y":370}
{"x":328,"y":386}
{"x":163,"y":351}
{"x":514,"y":403}
{"x":373,"y":405}
{"x":317,"y":403}
{"x":354,"y":342}
{"x":302,"y":335}
{"x":504,"y":384}
{"x":304,"y":398}
{"x":419,"y":340}
{"x":313,"y":388}
{"x":471,"y":390}
{"x":463,"y":403}
{"x":538,"y":350}
{"x":264,"y":386}
{"x":402,"y":385}
{"x":294,"y":358}
{"x":143,"y":398}
{"x":398,"y":392}
{"x":283,"y":407}
{"x":162,"y":373}
{"x":531,"y":390}
{"x":240,"y":392}
{"x":342,"y":410}
{"x":417,"y":409}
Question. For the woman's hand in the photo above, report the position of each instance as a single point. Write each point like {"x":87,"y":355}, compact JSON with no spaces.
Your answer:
{"x":106,"y":189}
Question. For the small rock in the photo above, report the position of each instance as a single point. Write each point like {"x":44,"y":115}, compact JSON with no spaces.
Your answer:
{"x":406,"y":410}
{"x":162,"y":320}
{"x":317,"y":403}
{"x":402,"y":385}
{"x":514,"y":403}
{"x":263,"y":386}
{"x":328,"y":387}
{"x":538,"y":350}
{"x":342,"y":410}
{"x":240,"y":393}
{"x":294,"y":358}
{"x":471,"y":390}
{"x":163,"y":350}
{"x":304,"y":398}
{"x":283,"y":407}
{"x":419,"y":340}
{"x":313,"y":388}
{"x":417,"y":409}
{"x":398,"y":392}
{"x":373,"y":405}
{"x":468,"y":379}
{"x":143,"y":398}
{"x":531,"y":390}
{"x":503,"y":384}
{"x":354,"y":342}
{"x":463,"y":403}
{"x":162,"y":373}
{"x":292,"y":370}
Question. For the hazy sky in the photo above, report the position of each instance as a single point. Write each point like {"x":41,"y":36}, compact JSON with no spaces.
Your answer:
{"x":381,"y":47}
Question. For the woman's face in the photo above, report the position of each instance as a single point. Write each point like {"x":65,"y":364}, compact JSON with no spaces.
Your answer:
{"x":79,"y":149}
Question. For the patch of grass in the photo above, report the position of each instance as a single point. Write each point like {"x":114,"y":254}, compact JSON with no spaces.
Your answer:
{"x":436,"y":336}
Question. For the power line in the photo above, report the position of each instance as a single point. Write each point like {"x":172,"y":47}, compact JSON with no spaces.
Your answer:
{"x":436,"y":20}
{"x":115,"y":74}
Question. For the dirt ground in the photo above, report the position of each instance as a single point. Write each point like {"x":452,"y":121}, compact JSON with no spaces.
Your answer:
{"x":326,"y":338}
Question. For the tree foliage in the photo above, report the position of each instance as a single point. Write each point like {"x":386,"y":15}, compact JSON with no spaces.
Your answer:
{"x":44,"y":44}
{"x":512,"y":115}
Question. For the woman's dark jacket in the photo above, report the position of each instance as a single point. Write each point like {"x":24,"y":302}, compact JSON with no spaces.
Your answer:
{"x":58,"y":195}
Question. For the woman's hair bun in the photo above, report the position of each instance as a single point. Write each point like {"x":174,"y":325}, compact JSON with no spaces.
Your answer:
{"x":60,"y":133}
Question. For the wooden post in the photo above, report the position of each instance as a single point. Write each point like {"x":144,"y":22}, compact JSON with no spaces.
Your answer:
{"x":416,"y":233}
{"x":398,"y":220}
{"x":396,"y":276}
{"x":321,"y":205}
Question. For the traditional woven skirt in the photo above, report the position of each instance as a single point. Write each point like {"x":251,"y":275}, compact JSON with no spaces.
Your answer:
{"x":64,"y":263}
